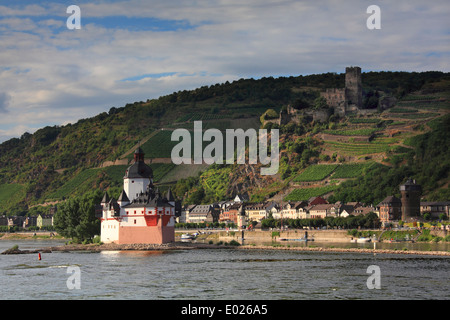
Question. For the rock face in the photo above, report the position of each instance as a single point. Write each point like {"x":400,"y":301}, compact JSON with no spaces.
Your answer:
{"x":16,"y":250}
{"x":246,"y":179}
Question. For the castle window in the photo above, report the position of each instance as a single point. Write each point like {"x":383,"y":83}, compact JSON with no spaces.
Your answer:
{"x":134,"y":221}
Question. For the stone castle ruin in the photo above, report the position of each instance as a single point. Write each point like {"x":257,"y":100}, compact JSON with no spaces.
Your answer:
{"x":342,"y":101}
{"x":349,"y":99}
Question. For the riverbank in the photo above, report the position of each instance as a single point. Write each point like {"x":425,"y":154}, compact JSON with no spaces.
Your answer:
{"x":199,"y":246}
{"x":324,"y":241}
{"x":47,"y":235}
{"x":346,"y":250}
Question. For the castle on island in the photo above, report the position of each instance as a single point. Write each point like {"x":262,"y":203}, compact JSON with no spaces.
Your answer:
{"x":141,"y":214}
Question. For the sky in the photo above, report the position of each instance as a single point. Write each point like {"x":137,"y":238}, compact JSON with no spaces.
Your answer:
{"x":127,"y":51}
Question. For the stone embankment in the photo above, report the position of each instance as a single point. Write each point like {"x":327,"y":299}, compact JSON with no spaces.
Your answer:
{"x":347,"y":250}
{"x":267,"y":236}
{"x":192,"y":246}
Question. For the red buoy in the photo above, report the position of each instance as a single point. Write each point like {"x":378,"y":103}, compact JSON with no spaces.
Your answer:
{"x":39,"y":256}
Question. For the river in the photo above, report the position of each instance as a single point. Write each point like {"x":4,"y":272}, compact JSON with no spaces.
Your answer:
{"x":225,"y":274}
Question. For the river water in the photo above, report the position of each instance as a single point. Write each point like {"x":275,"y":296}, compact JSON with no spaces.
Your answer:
{"x":219,"y":274}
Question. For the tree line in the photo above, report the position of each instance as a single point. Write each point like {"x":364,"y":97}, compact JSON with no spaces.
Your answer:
{"x":368,"y":221}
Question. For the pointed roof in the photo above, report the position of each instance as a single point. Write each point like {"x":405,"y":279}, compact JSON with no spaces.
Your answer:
{"x":170,"y":195}
{"x":139,"y":169}
{"x":242,"y":210}
{"x":105,"y":198}
{"x":149,"y":198}
{"x":123,"y":197}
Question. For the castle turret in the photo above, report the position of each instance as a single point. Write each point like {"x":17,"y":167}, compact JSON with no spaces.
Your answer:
{"x":105,"y":199}
{"x":123,"y":199}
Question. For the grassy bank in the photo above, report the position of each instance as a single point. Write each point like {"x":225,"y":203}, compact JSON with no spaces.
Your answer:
{"x":30,"y":236}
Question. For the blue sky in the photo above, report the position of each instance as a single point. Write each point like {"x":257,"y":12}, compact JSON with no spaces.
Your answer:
{"x":135,"y":50}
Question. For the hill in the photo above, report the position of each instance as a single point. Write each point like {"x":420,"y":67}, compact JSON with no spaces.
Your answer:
{"x":58,"y":162}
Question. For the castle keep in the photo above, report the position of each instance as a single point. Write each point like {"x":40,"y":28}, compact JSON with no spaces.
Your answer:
{"x":348,"y":99}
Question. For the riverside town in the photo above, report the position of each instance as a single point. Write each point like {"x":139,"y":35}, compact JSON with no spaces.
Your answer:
{"x":350,"y":197}
{"x":351,"y":165}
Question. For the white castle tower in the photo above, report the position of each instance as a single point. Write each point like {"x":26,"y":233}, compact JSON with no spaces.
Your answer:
{"x":137,"y":177}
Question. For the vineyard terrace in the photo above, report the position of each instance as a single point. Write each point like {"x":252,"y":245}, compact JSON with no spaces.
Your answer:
{"x":216,"y":147}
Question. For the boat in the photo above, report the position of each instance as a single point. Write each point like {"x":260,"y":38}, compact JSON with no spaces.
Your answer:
{"x":304,"y":239}
{"x":187,"y":237}
{"x":360,"y":240}
{"x":299,"y":239}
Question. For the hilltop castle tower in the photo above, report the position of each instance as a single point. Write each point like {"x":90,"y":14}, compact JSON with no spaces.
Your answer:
{"x":349,"y":99}
{"x":353,"y":86}
{"x":411,"y":193}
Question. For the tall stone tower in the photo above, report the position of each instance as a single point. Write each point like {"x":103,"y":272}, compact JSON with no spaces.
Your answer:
{"x":411,"y":193}
{"x":353,"y":86}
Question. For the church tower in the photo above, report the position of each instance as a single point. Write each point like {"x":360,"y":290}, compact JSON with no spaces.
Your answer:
{"x":137,"y":177}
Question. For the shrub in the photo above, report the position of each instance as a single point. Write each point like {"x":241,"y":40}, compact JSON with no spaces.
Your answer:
{"x":234,"y":243}
{"x":97,"y":240}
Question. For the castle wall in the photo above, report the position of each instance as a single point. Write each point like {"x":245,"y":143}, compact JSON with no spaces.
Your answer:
{"x":109,"y":231}
{"x":148,"y":235}
{"x":334,"y":97}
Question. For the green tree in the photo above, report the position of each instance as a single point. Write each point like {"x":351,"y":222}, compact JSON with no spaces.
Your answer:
{"x":76,"y":217}
{"x":320,"y":103}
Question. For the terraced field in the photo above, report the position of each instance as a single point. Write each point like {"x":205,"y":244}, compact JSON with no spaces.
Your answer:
{"x":357,"y":148}
{"x":307,"y":193}
{"x":352,"y":170}
{"x":353,"y":132}
{"x":158,"y":146}
{"x":200,"y":116}
{"x":315,"y":173}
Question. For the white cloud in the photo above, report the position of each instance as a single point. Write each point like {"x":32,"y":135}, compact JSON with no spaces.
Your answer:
{"x":53,"y":74}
